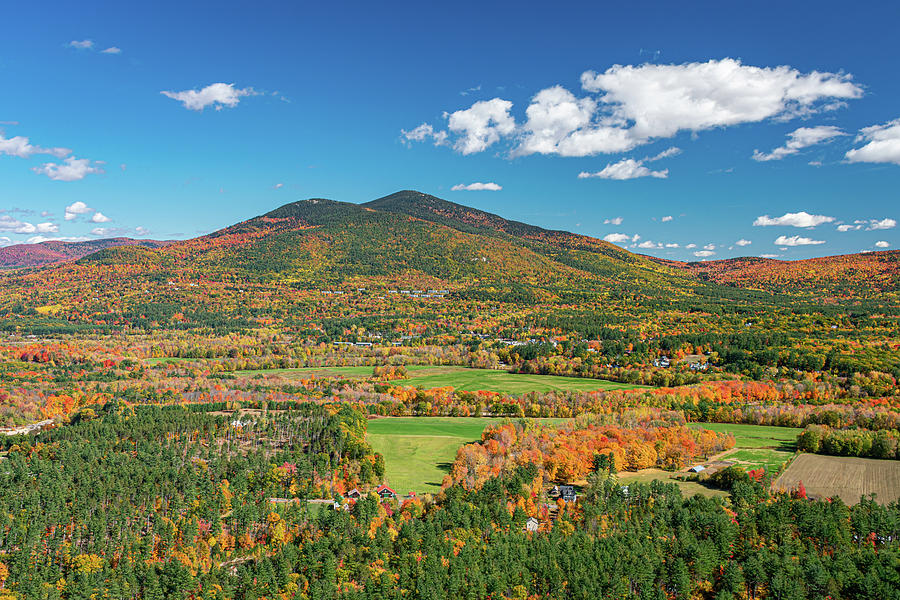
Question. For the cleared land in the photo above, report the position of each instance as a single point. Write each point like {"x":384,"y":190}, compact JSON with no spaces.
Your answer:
{"x":844,"y":477}
{"x":418,"y":451}
{"x":755,"y":446}
{"x":460,"y":378}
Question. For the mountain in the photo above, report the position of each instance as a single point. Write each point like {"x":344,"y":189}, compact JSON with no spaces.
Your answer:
{"x":845,"y":275}
{"x":52,"y":252}
{"x":280,"y":268}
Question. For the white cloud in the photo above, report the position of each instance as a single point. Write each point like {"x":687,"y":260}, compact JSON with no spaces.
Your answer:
{"x":481,"y":125}
{"x":423,"y":132}
{"x":477,"y":187}
{"x":881,"y":224}
{"x":847,"y":227}
{"x":141,"y":231}
{"x":22,"y":147}
{"x":689,"y":246}
{"x":672,"y":245}
{"x":99,"y":217}
{"x":667,"y":218}
{"x":649,"y":244}
{"x":112,"y":50}
{"x":5,"y":241}
{"x":71,"y":169}
{"x":77,"y":208}
{"x":768,"y":256}
{"x":218,"y":95}
{"x":81,"y":45}
{"x":554,"y":117}
{"x":882,"y":244}
{"x":673,"y":151}
{"x":277,"y":186}
{"x":883,"y":144}
{"x":798,"y":219}
{"x":9,"y":224}
{"x":627,"y":168}
{"x":742,"y":242}
{"x":661,"y":100}
{"x":704,"y":253}
{"x":616,"y":238}
{"x":41,"y":238}
{"x":613,"y":221}
{"x":633,"y":105}
{"x":796,"y":240}
{"x":799,"y":139}
{"x":709,"y":247}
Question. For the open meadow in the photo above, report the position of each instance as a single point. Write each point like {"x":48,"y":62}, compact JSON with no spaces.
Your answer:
{"x":418,"y":451}
{"x":459,"y":378}
{"x":845,"y":477}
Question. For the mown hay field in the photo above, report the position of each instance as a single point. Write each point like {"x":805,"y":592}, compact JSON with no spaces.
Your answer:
{"x":844,"y":477}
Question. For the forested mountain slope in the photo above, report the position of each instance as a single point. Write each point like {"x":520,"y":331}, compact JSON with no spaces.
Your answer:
{"x":55,"y":251}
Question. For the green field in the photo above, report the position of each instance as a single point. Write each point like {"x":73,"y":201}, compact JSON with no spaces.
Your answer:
{"x":756,"y":436}
{"x":460,"y":378}
{"x":756,"y":446}
{"x":418,"y":451}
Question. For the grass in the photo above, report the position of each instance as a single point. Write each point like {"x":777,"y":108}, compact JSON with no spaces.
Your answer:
{"x":460,"y":378}
{"x":755,"y":446}
{"x":418,"y":451}
{"x":756,"y":436}
{"x":688,"y":488}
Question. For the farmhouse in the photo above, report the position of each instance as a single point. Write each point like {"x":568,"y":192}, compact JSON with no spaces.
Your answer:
{"x":384,"y":492}
{"x":354,"y":494}
{"x":532,"y":524}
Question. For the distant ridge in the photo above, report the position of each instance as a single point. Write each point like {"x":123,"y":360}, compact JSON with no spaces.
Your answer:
{"x":56,"y":251}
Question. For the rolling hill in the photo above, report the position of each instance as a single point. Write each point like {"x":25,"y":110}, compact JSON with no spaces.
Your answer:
{"x":52,"y":252}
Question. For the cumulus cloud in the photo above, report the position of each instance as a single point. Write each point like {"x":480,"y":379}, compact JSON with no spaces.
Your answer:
{"x":22,"y":147}
{"x":704,"y":253}
{"x":671,"y":245}
{"x":880,"y":224}
{"x":99,"y":217}
{"x":141,"y":231}
{"x":768,"y":256}
{"x":616,"y":238}
{"x":627,"y":168}
{"x":661,"y":100}
{"x":81,"y":45}
{"x":883,"y":144}
{"x":882,"y":244}
{"x":613,"y":221}
{"x":423,"y":132}
{"x":667,"y":218}
{"x":477,"y":187}
{"x":218,"y":95}
{"x":12,"y":225}
{"x":799,"y":139}
{"x":71,"y":169}
{"x":77,"y":208}
{"x":633,"y":105}
{"x":797,"y":219}
{"x":796,"y":240}
{"x":112,"y":50}
{"x":482,"y":125}
{"x":742,"y":242}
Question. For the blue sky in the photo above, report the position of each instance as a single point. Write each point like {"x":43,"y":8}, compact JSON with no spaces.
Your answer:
{"x":676,"y":130}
